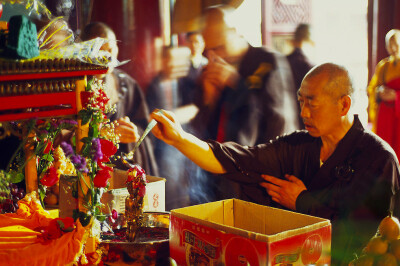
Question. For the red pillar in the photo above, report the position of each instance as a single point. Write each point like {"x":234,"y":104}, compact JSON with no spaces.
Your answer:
{"x":136,"y":24}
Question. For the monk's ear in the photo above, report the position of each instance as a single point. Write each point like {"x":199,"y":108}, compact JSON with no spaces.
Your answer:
{"x":345,"y":104}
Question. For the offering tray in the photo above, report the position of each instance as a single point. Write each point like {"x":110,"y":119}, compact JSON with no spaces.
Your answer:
{"x":150,"y":247}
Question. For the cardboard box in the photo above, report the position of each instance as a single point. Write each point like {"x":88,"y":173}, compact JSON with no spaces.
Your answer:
{"x":236,"y":232}
{"x":154,"y":199}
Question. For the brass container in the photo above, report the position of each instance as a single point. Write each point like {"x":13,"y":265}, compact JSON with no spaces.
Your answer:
{"x":150,"y":246}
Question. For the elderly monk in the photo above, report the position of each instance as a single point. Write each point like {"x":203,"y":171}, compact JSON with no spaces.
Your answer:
{"x":333,"y":169}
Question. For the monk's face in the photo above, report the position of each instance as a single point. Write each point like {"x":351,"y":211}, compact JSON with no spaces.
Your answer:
{"x":320,"y":111}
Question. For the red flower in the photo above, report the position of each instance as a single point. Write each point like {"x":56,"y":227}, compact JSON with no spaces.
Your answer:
{"x":108,"y":149}
{"x":50,"y":178}
{"x":56,"y":228}
{"x":102,"y":100}
{"x":114,"y":214}
{"x":85,"y":98}
{"x":40,"y":122}
{"x":50,"y":232}
{"x":135,"y":174}
{"x":101,"y":178}
{"x":142,"y":190}
{"x":66,"y":224}
{"x":48,"y":147}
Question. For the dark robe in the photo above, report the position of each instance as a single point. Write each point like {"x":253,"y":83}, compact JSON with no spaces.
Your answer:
{"x":131,"y":103}
{"x":355,"y":188}
{"x":261,"y":107}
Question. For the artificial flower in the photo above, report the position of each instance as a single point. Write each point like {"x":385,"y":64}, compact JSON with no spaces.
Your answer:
{"x":142,"y":190}
{"x":108,"y":149}
{"x":66,"y":224}
{"x":50,"y":178}
{"x":56,"y":228}
{"x":101,"y":100}
{"x":96,"y":150}
{"x":85,"y":98}
{"x":137,"y":176}
{"x":48,"y":147}
{"x":136,"y":173}
{"x":114,"y":214}
{"x":40,"y":122}
{"x":79,"y":163}
{"x":67,"y":148}
{"x":101,"y":178}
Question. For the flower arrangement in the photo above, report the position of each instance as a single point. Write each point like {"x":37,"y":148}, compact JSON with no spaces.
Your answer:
{"x":92,"y":165}
{"x":89,"y":168}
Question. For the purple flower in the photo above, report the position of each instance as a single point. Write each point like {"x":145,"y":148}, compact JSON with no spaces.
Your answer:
{"x":68,"y":121}
{"x":79,"y":162}
{"x":96,"y":150}
{"x":43,"y":132}
{"x":67,"y":148}
{"x":54,"y":124}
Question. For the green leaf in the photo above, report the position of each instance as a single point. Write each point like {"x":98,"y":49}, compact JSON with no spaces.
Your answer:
{"x":96,"y":132}
{"x":85,"y":115}
{"x":86,"y":140}
{"x":48,"y":157}
{"x":75,"y":214}
{"x":101,"y":218}
{"x":86,"y":150}
{"x":86,"y":119}
{"x":89,"y":85}
{"x":84,"y":218}
{"x":42,"y":194}
{"x":16,"y":177}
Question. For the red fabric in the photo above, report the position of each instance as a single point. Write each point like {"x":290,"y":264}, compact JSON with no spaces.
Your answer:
{"x":221,"y":126}
{"x":388,"y":120}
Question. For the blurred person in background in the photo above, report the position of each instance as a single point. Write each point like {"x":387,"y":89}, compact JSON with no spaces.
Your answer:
{"x":170,"y":90}
{"x":189,"y":83}
{"x":131,"y":109}
{"x":247,"y":94}
{"x":384,"y":94}
{"x":175,"y":88}
{"x":299,"y":63}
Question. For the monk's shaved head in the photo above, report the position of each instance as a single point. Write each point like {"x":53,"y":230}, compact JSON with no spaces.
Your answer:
{"x":338,"y":80}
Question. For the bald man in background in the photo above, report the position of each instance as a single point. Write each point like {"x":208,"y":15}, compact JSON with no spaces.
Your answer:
{"x":334,"y":169}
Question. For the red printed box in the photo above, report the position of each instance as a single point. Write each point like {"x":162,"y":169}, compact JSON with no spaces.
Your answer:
{"x":236,"y":232}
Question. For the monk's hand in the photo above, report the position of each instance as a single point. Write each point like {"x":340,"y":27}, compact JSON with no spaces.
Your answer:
{"x":220,"y":72}
{"x":168,"y":128}
{"x":386,"y":94}
{"x":126,"y":130}
{"x":284,"y":192}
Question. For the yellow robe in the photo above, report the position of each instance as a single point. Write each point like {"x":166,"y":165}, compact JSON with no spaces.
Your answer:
{"x":386,"y":70}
